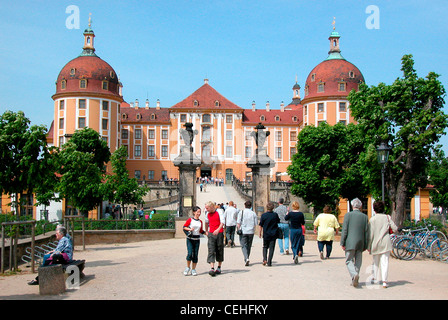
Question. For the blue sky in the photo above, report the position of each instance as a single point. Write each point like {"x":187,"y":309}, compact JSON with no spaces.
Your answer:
{"x":250,"y":50}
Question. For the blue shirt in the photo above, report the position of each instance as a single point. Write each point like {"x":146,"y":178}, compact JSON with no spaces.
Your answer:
{"x":65,"y":246}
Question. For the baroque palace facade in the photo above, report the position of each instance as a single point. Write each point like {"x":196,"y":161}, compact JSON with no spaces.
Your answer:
{"x":89,"y":94}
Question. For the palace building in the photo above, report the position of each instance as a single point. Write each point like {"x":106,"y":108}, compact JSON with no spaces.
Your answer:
{"x":89,"y":94}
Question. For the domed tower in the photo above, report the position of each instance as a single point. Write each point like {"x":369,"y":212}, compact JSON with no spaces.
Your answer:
{"x":327,"y":87}
{"x":88,"y":94}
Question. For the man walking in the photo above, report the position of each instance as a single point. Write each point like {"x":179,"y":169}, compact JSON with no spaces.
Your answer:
{"x":247,"y":222}
{"x":354,"y":239}
{"x":230,"y":216}
{"x":281,"y":211}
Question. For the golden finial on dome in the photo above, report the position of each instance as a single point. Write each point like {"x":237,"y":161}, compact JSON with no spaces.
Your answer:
{"x":90,"y":20}
{"x":334,"y":23}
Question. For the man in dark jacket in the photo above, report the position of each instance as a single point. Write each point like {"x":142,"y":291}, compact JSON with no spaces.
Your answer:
{"x":269,"y":230}
{"x":354,"y":239}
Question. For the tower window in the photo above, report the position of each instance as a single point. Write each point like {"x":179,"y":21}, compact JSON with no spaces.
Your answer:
{"x":321,"y":87}
{"x":342,"y":86}
{"x":61,"y":104}
{"x":82,"y":103}
{"x":320,"y":107}
{"x":351,"y":74}
{"x":105,"y":85}
{"x":262,"y":118}
{"x":313,"y":77}
{"x":82,"y":83}
{"x":63,"y":84}
{"x":81,"y":122}
{"x":72,"y":71}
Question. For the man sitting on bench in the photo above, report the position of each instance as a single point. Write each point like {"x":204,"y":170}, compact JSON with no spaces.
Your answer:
{"x":62,"y":254}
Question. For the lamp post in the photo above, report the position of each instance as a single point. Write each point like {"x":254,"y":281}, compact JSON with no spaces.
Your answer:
{"x":383,"y":155}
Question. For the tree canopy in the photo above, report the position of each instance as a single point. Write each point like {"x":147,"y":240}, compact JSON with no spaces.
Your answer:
{"x":325,"y":167}
{"x":407,"y":115}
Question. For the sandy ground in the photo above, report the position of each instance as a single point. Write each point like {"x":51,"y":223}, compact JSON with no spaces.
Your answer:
{"x":153,"y":270}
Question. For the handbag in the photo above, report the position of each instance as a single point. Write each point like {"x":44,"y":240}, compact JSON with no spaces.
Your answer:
{"x":280,"y":233}
{"x":390,"y":228}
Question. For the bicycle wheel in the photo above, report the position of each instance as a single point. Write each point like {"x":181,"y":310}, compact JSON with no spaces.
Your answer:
{"x":406,"y":249}
{"x":439,"y":250}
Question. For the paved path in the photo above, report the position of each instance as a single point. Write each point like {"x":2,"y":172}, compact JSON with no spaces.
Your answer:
{"x":152,"y":270}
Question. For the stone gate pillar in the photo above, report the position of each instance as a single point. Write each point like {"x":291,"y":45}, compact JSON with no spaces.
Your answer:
{"x":261,"y":165}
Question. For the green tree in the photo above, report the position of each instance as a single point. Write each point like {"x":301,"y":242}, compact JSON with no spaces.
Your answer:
{"x":24,"y":155}
{"x":325,"y":167}
{"x":409,"y":116}
{"x":438,"y":177}
{"x":82,"y":169}
{"x":119,"y":187}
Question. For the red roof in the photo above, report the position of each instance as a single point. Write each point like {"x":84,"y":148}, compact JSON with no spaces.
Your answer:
{"x":274,"y":117}
{"x":143,"y":115}
{"x":331,"y":73}
{"x":94,"y":70}
{"x":206,"y":98}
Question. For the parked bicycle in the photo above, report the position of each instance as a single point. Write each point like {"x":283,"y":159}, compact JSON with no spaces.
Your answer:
{"x":424,"y":241}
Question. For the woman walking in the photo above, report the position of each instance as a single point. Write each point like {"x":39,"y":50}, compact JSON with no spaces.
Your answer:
{"x":297,"y":220}
{"x":193,"y":228}
{"x":326,"y":226}
{"x":380,"y":245}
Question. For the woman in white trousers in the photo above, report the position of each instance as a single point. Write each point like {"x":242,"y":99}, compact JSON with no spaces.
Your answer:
{"x":380,"y":244}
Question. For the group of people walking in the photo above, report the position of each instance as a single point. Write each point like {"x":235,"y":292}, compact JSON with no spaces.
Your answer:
{"x":287,"y":227}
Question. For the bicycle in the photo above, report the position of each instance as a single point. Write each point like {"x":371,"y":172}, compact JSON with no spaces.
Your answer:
{"x":419,"y":241}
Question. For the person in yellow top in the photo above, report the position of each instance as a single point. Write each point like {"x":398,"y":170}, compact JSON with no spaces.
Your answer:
{"x":326,"y":226}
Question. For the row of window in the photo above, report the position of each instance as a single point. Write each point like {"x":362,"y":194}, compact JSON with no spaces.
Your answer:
{"x":207,"y":118}
{"x":278,"y":152}
{"x":342,"y":87}
{"x":151,"y":175}
{"x":151,"y":151}
{"x":351,"y":75}
{"x":138,"y":134}
{"x":321,"y":107}
{"x":82,"y":104}
{"x":83,"y":84}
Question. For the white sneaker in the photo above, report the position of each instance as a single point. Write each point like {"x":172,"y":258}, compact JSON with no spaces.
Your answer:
{"x":186,"y":271}
{"x":193,"y":272}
